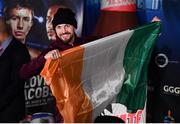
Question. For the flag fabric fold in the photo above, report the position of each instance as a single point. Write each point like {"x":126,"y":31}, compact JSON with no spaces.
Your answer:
{"x":89,"y":77}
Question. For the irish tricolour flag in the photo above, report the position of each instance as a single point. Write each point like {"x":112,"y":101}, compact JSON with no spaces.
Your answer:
{"x":113,"y":69}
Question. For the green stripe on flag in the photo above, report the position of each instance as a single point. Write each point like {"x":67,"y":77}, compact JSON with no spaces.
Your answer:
{"x":137,"y":56}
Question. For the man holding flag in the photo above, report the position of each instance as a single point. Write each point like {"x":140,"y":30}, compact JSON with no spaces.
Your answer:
{"x":13,"y":54}
{"x":64,"y":24}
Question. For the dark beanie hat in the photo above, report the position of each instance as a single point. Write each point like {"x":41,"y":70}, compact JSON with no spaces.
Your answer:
{"x":64,"y":16}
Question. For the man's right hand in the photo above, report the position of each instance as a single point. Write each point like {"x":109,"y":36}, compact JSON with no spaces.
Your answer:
{"x":156,"y":19}
{"x":54,"y":54}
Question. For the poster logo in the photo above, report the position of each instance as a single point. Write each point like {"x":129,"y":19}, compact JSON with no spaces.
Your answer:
{"x":37,"y":92}
{"x":171,"y":90}
{"x":161,"y":60}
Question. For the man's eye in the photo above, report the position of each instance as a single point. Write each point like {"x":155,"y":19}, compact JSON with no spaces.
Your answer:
{"x":67,"y":26}
{"x":13,"y":18}
{"x":26,"y":19}
{"x":59,"y":27}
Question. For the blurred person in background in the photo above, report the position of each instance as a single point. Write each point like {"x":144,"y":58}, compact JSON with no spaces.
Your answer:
{"x":49,"y":27}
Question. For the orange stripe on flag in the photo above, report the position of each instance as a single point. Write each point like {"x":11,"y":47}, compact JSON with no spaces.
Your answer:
{"x":64,"y":77}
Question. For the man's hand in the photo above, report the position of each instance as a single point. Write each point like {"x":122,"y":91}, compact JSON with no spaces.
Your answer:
{"x":156,"y":19}
{"x":54,"y":54}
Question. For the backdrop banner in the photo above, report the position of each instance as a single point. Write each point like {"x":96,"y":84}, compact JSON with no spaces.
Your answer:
{"x":164,"y":87}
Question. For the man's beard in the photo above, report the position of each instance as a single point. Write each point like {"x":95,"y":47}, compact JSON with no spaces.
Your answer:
{"x":69,"y":39}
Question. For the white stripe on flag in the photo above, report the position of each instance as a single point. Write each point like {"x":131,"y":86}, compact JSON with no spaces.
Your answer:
{"x":100,"y":85}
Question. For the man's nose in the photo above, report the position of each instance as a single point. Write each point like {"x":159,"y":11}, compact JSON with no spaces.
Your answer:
{"x":64,"y":29}
{"x":20,"y":24}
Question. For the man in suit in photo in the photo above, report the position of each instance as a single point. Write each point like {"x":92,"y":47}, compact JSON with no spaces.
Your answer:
{"x":12,"y":55}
